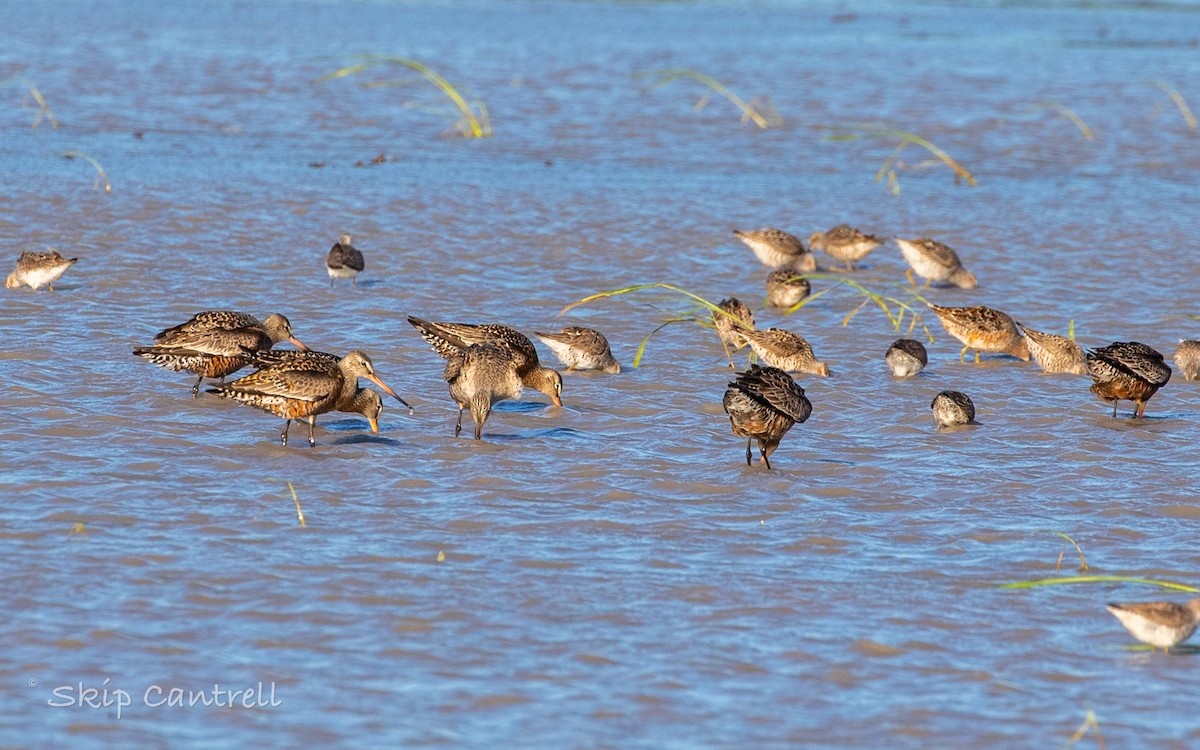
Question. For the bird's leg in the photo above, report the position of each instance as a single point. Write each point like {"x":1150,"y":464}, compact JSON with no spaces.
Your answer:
{"x":571,"y":366}
{"x":928,"y":282}
{"x":51,"y":285}
{"x":283,"y":436}
{"x":331,"y":282}
{"x":196,"y":387}
{"x":1115,"y":408}
{"x":354,"y":282}
{"x":458,"y":424}
{"x":962,"y":356}
{"x":1140,"y":412}
{"x":976,"y":356}
{"x":312,"y":423}
{"x":725,"y":346}
{"x":912,"y":283}
{"x":748,"y":461}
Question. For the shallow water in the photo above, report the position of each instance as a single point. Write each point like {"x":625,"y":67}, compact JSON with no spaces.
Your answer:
{"x":612,"y":574}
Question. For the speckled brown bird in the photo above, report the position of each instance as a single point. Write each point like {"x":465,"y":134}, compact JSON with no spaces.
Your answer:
{"x":481,"y":376}
{"x":581,"y":348}
{"x":982,"y":329}
{"x":763,"y":403}
{"x":216,"y":343}
{"x":785,"y":289}
{"x":785,"y":350}
{"x":39,"y":269}
{"x":1127,"y":370}
{"x":778,"y":249}
{"x":1055,"y":353}
{"x":951,"y":408}
{"x":934,"y":262}
{"x":844,"y":243}
{"x":730,"y":326}
{"x":1187,"y":358}
{"x":344,"y":261}
{"x":906,"y":357}
{"x":1160,"y":624}
{"x":450,"y":339}
{"x":304,"y":387}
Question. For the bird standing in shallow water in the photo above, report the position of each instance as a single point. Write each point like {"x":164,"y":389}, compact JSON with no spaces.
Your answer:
{"x":38,"y":269}
{"x":344,"y":261}
{"x":788,"y":351}
{"x":844,"y":243}
{"x":363,"y":401}
{"x":763,"y":403}
{"x":952,"y":408}
{"x":1187,"y":359}
{"x":581,"y":349}
{"x":216,"y":343}
{"x":302,"y":387}
{"x":450,"y":339}
{"x":1127,"y":370}
{"x":906,"y":357}
{"x":935,"y":262}
{"x":785,"y":288}
{"x":1055,"y":353}
{"x":1160,"y":624}
{"x":481,"y":376}
{"x":982,"y":329}
{"x":778,"y":249}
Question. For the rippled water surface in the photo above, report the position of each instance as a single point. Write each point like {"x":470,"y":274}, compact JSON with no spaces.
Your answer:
{"x":611,"y":573}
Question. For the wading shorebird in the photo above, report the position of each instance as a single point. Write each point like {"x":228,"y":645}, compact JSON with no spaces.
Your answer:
{"x":450,"y":339}
{"x":951,"y":408}
{"x":785,"y":288}
{"x":906,"y":357}
{"x":1055,"y":353}
{"x":216,"y":343}
{"x":1187,"y":359}
{"x":39,"y":269}
{"x":778,"y":249}
{"x":984,"y":330}
{"x":844,"y":243}
{"x":1127,"y":370}
{"x":763,"y":403}
{"x":934,"y":262}
{"x":480,"y":376}
{"x":735,"y":320}
{"x":785,"y":350}
{"x":581,"y":349}
{"x":344,"y":261}
{"x":1160,"y":624}
{"x":304,"y":387}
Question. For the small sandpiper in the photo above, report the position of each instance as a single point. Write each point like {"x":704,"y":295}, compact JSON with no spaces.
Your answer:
{"x":39,"y":269}
{"x":906,"y":357}
{"x":778,"y":249}
{"x":581,"y":349}
{"x":844,"y":243}
{"x":786,"y":288}
{"x":344,"y":261}
{"x":1055,"y":353}
{"x":982,"y":329}
{"x":788,"y":351}
{"x":1160,"y":624}
{"x":951,"y":408}
{"x":1187,"y":358}
{"x":935,"y":262}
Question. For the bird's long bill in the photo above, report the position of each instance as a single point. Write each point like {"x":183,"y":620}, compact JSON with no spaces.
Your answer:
{"x":375,"y":379}
{"x":296,"y":343}
{"x":557,"y":400}
{"x":374,"y":424}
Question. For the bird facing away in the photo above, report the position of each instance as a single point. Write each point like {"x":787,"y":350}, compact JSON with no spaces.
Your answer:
{"x":763,"y":403}
{"x":1127,"y":370}
{"x":984,"y":330}
{"x":778,"y":249}
{"x":785,"y":350}
{"x":935,"y":262}
{"x":1055,"y":353}
{"x":906,"y":357}
{"x":216,"y":343}
{"x":952,"y":408}
{"x":735,"y":320}
{"x":1160,"y":624}
{"x":38,"y":269}
{"x":785,"y":289}
{"x":1187,"y":358}
{"x":302,"y":387}
{"x":344,"y":261}
{"x":581,"y":349}
{"x":844,"y":243}
{"x":450,"y":339}
{"x":480,"y":376}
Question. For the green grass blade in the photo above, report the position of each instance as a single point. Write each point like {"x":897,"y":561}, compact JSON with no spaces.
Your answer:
{"x":1098,"y":579}
{"x":1084,"y":130}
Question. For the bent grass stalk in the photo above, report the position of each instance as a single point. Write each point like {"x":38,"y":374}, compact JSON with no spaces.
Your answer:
{"x":1098,"y":579}
{"x":471,"y":125}
{"x":1083,"y":566}
{"x":762,"y":119}
{"x":1176,"y":97}
{"x":296,"y":500}
{"x":100,"y":174}
{"x":892,"y":163}
{"x":1084,"y":130}
{"x":43,"y":108}
{"x":1089,"y":724}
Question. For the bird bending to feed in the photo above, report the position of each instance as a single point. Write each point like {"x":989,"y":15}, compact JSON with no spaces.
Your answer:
{"x":38,"y":269}
{"x":763,"y":403}
{"x":480,"y":376}
{"x":581,"y":349}
{"x":785,"y":350}
{"x":982,"y":329}
{"x":1187,"y":359}
{"x":785,"y":289}
{"x":450,"y":339}
{"x":1160,"y":624}
{"x":301,"y":387}
{"x":216,"y":343}
{"x":844,"y":243}
{"x":906,"y":357}
{"x":1127,"y":370}
{"x":778,"y":249}
{"x":344,"y":261}
{"x":935,"y":262}
{"x":1055,"y":353}
{"x":735,"y":320}
{"x":952,"y":408}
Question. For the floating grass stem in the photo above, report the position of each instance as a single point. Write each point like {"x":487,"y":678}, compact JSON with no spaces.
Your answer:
{"x":1075,"y":119}
{"x":100,"y":174}
{"x":296,"y":500}
{"x":892,"y":163}
{"x":1098,"y":579}
{"x":763,"y":118}
{"x":474,"y":122}
{"x":44,"y":110}
{"x":1089,"y":725}
{"x":1176,"y":97}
